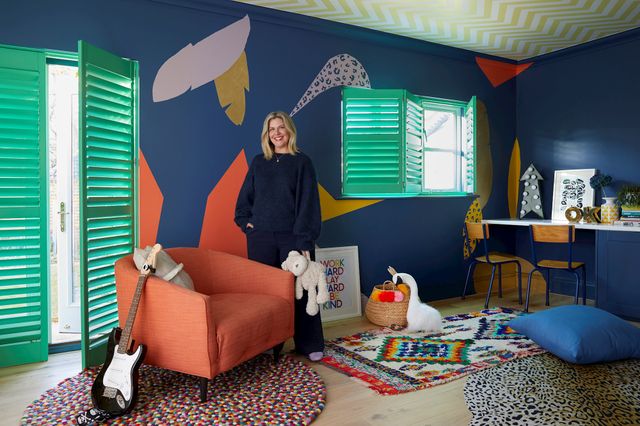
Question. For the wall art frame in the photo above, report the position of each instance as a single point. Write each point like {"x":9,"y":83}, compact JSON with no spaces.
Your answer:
{"x":571,"y":189}
{"x":342,"y":269}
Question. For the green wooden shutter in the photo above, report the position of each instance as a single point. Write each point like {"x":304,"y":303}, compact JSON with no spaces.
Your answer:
{"x":372,"y":140}
{"x":414,"y":144}
{"x":23,"y":208}
{"x":469,"y":147}
{"x":108,"y":157}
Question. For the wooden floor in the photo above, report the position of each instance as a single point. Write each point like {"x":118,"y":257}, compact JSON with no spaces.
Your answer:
{"x":348,"y":403}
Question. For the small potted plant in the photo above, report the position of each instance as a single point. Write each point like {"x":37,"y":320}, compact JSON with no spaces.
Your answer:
{"x":609,"y":210}
{"x":629,"y":198}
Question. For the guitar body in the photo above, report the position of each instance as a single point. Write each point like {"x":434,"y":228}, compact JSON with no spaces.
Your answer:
{"x":115,"y":389}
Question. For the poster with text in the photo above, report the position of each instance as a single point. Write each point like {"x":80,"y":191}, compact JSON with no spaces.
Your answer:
{"x":343,"y":282}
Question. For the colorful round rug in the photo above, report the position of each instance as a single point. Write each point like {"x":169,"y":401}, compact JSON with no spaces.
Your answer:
{"x":255,"y":392}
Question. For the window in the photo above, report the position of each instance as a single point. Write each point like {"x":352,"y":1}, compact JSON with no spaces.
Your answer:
{"x":396,"y":144}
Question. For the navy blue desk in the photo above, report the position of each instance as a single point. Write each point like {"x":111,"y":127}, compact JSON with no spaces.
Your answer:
{"x":615,"y":250}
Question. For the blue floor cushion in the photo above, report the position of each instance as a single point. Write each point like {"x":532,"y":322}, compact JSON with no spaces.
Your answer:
{"x":580,"y":334}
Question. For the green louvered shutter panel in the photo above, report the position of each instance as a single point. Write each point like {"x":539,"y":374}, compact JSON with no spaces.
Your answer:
{"x":23,"y":208}
{"x":372,"y":141}
{"x":414,"y":143}
{"x":469,"y":147}
{"x":108,"y":155}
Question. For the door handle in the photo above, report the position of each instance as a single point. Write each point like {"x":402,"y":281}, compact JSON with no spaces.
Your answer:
{"x":62,"y":214}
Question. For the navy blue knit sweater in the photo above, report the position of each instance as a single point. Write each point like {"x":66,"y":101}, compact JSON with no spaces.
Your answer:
{"x":281,"y":196}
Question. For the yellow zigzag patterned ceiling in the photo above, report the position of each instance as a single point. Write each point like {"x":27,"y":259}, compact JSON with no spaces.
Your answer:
{"x":514,"y":29}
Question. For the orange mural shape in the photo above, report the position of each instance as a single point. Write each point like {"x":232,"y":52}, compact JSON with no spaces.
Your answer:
{"x":219,"y":231}
{"x":500,"y":72}
{"x":151,"y":200}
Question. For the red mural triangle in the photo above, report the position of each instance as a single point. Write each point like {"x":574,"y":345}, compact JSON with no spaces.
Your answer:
{"x":219,"y":231}
{"x":498,"y":72}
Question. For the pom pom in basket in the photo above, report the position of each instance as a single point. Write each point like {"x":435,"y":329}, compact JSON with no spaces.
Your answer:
{"x":386,"y":313}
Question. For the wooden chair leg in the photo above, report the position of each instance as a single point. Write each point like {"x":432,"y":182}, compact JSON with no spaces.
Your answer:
{"x":493,"y":274}
{"x":466,"y":283}
{"x":276,"y":352}
{"x":204,"y":384}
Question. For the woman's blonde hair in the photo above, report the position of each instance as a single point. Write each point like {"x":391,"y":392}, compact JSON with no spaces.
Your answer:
{"x":267,"y":146}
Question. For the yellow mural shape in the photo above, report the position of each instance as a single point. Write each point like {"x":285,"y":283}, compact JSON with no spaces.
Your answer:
{"x":231,"y":86}
{"x":513,"y":181}
{"x":474,"y":214}
{"x":484,"y":166}
{"x":330,"y":207}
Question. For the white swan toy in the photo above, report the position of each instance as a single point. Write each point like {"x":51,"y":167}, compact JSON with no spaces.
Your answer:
{"x":420,"y":316}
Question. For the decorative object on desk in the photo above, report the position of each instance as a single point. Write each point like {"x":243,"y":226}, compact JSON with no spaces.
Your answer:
{"x":629,"y":200}
{"x":573,"y":214}
{"x":591,"y":214}
{"x":609,"y":210}
{"x":531,"y":199}
{"x":571,"y":188}
{"x":390,"y":361}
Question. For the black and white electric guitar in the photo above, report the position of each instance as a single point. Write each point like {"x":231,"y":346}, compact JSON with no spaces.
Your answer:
{"x":115,"y":390}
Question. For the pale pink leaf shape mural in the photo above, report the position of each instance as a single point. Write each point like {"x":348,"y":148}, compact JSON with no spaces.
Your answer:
{"x":340,"y":70}
{"x":196,"y":65}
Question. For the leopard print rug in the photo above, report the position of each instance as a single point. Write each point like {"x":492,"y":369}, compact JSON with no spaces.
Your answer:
{"x":544,"y":390}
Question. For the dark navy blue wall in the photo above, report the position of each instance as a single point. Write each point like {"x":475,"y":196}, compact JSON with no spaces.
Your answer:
{"x":189,"y":142}
{"x":577,"y":109}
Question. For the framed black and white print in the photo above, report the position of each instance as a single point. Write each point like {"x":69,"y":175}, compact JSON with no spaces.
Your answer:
{"x":571,"y":189}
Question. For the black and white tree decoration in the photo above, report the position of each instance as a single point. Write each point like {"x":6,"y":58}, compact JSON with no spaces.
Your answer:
{"x":531,"y":200}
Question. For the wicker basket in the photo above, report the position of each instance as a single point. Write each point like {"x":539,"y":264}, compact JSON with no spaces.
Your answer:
{"x":387,"y":313}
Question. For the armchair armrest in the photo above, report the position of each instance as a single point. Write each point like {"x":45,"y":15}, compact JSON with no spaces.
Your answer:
{"x":175,"y":324}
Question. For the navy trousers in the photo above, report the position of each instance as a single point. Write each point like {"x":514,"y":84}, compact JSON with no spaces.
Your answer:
{"x":272,"y":248}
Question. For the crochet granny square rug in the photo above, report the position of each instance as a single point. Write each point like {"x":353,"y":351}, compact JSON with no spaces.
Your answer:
{"x":392,"y":362}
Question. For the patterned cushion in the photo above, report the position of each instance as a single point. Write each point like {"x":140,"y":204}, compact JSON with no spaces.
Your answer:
{"x":581,"y":334}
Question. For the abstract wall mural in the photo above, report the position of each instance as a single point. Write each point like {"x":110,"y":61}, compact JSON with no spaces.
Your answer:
{"x":484,"y":165}
{"x":231,"y":86}
{"x":513,"y":180}
{"x":199,"y":64}
{"x":499,"y":72}
{"x":219,"y":231}
{"x":474,"y":214}
{"x":150,"y":203}
{"x":330,"y":207}
{"x":341,"y":70}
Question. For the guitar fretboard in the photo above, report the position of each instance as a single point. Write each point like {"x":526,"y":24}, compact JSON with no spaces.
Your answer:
{"x":125,"y":338}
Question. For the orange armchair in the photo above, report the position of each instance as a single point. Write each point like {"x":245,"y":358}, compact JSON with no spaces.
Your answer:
{"x":239,"y":309}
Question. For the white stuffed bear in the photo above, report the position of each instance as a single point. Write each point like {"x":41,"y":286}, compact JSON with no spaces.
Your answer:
{"x":309,"y":276}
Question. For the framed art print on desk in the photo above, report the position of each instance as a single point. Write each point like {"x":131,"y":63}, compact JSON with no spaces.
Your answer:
{"x":571,"y":188}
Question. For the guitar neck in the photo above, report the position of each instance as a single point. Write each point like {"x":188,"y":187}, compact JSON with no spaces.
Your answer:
{"x":125,"y":337}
